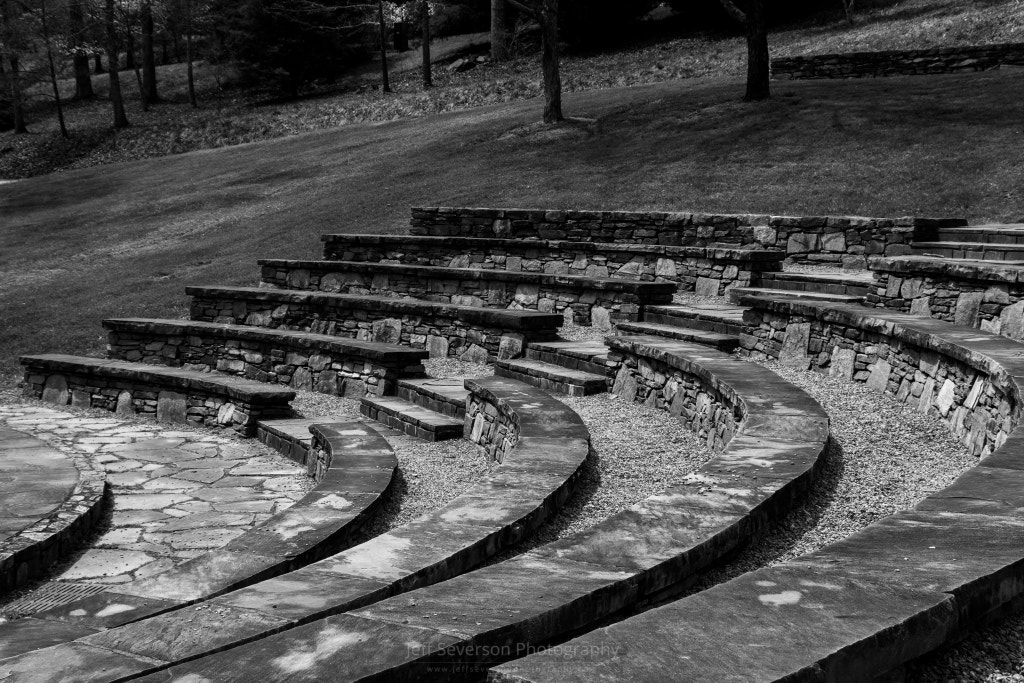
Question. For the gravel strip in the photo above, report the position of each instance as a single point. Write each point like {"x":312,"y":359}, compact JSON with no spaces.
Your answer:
{"x":623,"y":469}
{"x":582,"y":333}
{"x":884,"y":457}
{"x":430,"y":475}
{"x":691,"y":299}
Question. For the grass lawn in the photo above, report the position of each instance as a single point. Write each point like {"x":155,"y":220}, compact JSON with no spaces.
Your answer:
{"x":124,"y":239}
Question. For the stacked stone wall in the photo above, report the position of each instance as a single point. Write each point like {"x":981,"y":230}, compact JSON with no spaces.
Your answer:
{"x":443,"y":332}
{"x":143,"y":398}
{"x":984,"y":296}
{"x":942,"y":60}
{"x":491,"y":426}
{"x":708,"y":271}
{"x":848,"y":240}
{"x":974,"y":399}
{"x":323,"y":370}
{"x":713,"y":417}
{"x":599,"y":302}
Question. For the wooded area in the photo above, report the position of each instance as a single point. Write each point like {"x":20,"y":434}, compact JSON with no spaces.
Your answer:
{"x":289,"y":44}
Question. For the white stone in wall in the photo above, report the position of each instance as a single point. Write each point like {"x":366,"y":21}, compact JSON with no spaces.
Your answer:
{"x":944,"y":401}
{"x":794,"y":346}
{"x":842,"y":363}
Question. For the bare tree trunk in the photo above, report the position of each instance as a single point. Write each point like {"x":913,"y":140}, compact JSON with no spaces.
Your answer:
{"x":97,"y":63}
{"x":848,"y":8}
{"x":499,"y":31}
{"x":129,"y":52}
{"x":17,"y":105}
{"x":53,"y":69}
{"x":149,"y":90}
{"x":385,"y":80}
{"x":188,"y":54}
{"x":116,"y":99}
{"x":428,"y":76}
{"x":550,"y":63}
{"x":758,"y":59}
{"x":83,"y":79}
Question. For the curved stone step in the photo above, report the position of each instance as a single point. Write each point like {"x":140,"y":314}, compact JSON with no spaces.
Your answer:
{"x":588,"y":356}
{"x":901,"y":587}
{"x":301,"y":360}
{"x":736,"y":295}
{"x":996,"y":233}
{"x":542,"y":445}
{"x":445,"y":396}
{"x":850,"y":284}
{"x":721,"y":318}
{"x":771,"y":436}
{"x":982,"y":251}
{"x":354,"y":468}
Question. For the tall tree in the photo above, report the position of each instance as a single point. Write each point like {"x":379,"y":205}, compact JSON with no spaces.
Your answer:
{"x":428,"y":77}
{"x":385,"y":80}
{"x":545,"y":12}
{"x":758,"y":61}
{"x":116,"y":98}
{"x":848,"y":8}
{"x":149,"y":90}
{"x":11,"y":43}
{"x":80,"y":57}
{"x":499,"y":31}
{"x":188,"y":54}
{"x":45,"y":25}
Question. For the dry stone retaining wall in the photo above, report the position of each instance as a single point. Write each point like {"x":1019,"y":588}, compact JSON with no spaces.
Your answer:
{"x":135,"y":392}
{"x":472,"y":334}
{"x":987,"y":296}
{"x":337,"y":371}
{"x":597,"y":300}
{"x":828,"y":239}
{"x":942,"y":60}
{"x":695,"y":400}
{"x":976,"y":400}
{"x":708,"y":271}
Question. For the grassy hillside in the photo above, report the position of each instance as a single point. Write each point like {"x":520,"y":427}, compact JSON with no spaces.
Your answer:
{"x":230,"y":116}
{"x":124,"y":239}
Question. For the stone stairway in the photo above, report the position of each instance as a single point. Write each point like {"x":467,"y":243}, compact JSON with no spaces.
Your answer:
{"x":566,"y":367}
{"x":428,"y":409}
{"x":997,"y":242}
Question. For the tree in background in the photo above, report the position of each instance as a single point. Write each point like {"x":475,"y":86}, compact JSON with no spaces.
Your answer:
{"x":81,"y":48}
{"x":116,"y":99}
{"x":500,"y":48}
{"x":758,"y":61}
{"x":149,"y":90}
{"x":545,"y":12}
{"x":848,"y":8}
{"x":14,"y":41}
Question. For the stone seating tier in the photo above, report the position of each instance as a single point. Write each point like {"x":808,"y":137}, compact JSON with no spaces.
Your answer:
{"x":301,"y":360}
{"x":588,"y":299}
{"x":773,"y":436}
{"x":168,"y":394}
{"x":445,"y":330}
{"x":706,"y":270}
{"x":354,"y":468}
{"x":901,"y":587}
{"x":543,"y":445}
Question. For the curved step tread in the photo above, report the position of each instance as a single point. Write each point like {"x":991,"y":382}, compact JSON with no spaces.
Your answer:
{"x":901,"y":587}
{"x":580,"y":580}
{"x":551,"y":377}
{"x":533,"y":482}
{"x":717,"y":340}
{"x":355,"y":468}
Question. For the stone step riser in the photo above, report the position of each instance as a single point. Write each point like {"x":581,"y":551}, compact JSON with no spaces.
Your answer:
{"x":993,"y":252}
{"x":441,"y":405}
{"x":987,"y":236}
{"x":736,"y":295}
{"x":396,"y":422}
{"x":703,"y":337}
{"x":550,"y":385}
{"x":772,"y":281}
{"x":721,"y":327}
{"x":566,"y":361}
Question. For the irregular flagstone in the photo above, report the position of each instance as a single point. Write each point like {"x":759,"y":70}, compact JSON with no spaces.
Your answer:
{"x":580,"y":580}
{"x":899,"y":588}
{"x":322,"y":522}
{"x":425,"y":551}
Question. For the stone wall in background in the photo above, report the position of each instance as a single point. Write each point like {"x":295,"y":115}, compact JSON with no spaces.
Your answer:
{"x":952,"y":383}
{"x":942,"y":60}
{"x":987,"y":296}
{"x":705,"y":270}
{"x":848,"y":240}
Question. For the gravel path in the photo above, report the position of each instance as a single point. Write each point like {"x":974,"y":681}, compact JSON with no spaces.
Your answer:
{"x":884,"y":457}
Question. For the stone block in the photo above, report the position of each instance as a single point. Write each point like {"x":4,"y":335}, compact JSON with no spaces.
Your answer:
{"x":842,"y":363}
{"x":437,"y":346}
{"x":527,"y":295}
{"x":387,"y":331}
{"x":921,"y":306}
{"x":803,"y":243}
{"x":794,"y":346}
{"x":226,"y":414}
{"x":766,"y":235}
{"x":298,"y":278}
{"x":879,"y":377}
{"x":81,"y":398}
{"x":666,"y":267}
{"x":967,"y":307}
{"x":511,"y":346}
{"x":600,"y":318}
{"x":302,"y":379}
{"x":55,"y":390}
{"x":833,"y":241}
{"x":124,"y":404}
{"x":1012,"y":321}
{"x":706,"y":286}
{"x":171,"y":407}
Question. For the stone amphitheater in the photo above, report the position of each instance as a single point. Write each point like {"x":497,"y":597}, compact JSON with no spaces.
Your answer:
{"x":289,"y":583}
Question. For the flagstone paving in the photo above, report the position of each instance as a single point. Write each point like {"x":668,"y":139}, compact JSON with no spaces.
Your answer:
{"x":176,"y":493}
